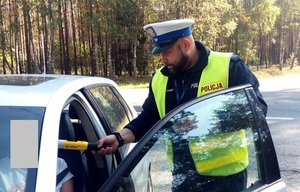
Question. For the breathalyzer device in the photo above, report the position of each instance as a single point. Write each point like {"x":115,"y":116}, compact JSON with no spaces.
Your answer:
{"x":77,"y":145}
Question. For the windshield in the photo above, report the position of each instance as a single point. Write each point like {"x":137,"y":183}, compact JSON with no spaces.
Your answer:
{"x":12,"y":178}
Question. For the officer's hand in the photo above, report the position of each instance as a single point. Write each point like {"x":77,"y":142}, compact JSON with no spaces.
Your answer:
{"x":107,"y":145}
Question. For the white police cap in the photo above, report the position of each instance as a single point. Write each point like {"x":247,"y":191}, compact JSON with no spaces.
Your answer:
{"x":165,"y":34}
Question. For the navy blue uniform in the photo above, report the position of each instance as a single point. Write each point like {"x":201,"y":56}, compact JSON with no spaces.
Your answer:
{"x":239,"y":74}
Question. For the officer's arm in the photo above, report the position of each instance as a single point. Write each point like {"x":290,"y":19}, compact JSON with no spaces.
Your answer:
{"x":239,"y":74}
{"x":146,"y":119}
{"x":127,"y":135}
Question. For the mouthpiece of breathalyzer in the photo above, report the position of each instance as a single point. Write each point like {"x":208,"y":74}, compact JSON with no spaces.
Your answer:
{"x":77,"y":145}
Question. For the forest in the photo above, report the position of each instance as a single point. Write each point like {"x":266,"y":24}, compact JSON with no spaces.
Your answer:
{"x":106,"y":37}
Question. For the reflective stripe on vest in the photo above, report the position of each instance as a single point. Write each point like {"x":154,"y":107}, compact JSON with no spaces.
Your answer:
{"x":220,"y":154}
{"x":234,"y":158}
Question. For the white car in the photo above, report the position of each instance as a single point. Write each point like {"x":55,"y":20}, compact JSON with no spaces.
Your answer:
{"x":64,"y":107}
{"x":215,"y":131}
{"x":88,"y":108}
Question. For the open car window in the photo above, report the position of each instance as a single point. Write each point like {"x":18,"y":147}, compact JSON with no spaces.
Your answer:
{"x":219,"y":142}
{"x":12,"y":177}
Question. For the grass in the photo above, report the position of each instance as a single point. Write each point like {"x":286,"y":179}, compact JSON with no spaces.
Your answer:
{"x":143,"y":82}
{"x":274,"y":72}
{"x":133,"y":82}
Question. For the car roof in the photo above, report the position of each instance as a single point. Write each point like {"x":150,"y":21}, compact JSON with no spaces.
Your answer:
{"x":37,"y":89}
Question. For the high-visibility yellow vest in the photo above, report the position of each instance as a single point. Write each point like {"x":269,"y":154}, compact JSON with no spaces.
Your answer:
{"x":209,"y":160}
{"x":214,"y":77}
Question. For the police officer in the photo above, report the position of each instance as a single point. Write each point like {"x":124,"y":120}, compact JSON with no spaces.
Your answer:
{"x":190,"y":70}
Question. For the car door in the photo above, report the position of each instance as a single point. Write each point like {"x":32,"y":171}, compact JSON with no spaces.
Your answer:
{"x":218,"y":142}
{"x":115,"y":113}
{"x":79,"y":123}
{"x":111,"y":109}
{"x":88,"y":115}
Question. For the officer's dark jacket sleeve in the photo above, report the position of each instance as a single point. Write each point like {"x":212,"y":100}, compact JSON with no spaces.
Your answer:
{"x":146,"y":119}
{"x":240,"y":74}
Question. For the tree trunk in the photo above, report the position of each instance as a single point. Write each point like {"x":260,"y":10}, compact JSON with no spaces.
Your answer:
{"x":66,"y":47}
{"x":26,"y":35}
{"x":74,"y":38}
{"x":50,"y":54}
{"x":296,"y":47}
{"x":3,"y":44}
{"x":61,"y":40}
{"x":109,"y":60}
{"x":134,"y":59}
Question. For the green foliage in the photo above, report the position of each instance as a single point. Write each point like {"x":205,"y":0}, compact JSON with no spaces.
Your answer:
{"x":109,"y":34}
{"x":213,"y":18}
{"x":264,"y":15}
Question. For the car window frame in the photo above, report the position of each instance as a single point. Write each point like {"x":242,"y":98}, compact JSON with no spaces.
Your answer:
{"x":84,"y":110}
{"x":122,"y":151}
{"x":269,"y":168}
{"x":268,"y":162}
{"x":85,"y":91}
{"x":83,"y":105}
